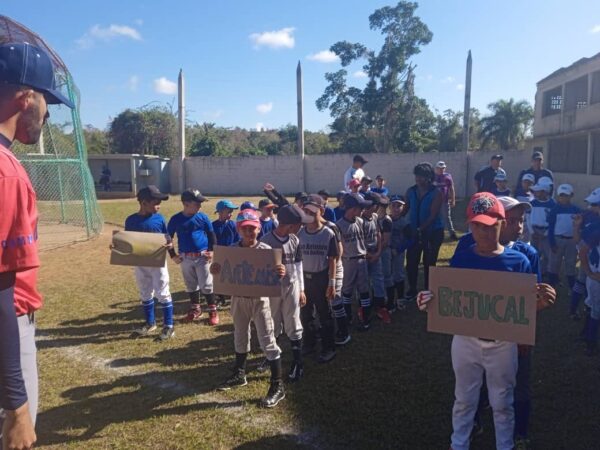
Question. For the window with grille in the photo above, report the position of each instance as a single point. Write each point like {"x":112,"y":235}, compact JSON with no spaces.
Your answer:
{"x":553,"y":100}
{"x":576,"y":93}
{"x":568,"y":154}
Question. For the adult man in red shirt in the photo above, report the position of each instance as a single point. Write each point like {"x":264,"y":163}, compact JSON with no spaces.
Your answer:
{"x":26,"y":88}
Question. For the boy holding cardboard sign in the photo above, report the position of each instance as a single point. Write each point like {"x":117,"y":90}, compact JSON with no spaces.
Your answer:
{"x":253,"y":309}
{"x":471,"y":356}
{"x":153,"y":282}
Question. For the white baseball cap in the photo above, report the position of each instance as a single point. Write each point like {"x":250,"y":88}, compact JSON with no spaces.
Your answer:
{"x":510,"y":203}
{"x":500,"y":177}
{"x":594,"y":197}
{"x":441,"y":165}
{"x":528,"y":177}
{"x":546,"y":180}
{"x":564,"y":189}
{"x":543,"y":184}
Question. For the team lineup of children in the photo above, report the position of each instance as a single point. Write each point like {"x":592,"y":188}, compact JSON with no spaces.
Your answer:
{"x":332,"y":258}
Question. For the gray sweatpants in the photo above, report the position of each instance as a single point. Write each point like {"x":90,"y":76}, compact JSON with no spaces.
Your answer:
{"x":28,"y":365}
{"x":356,"y":276}
{"x":253,"y":309}
{"x":196,"y":274}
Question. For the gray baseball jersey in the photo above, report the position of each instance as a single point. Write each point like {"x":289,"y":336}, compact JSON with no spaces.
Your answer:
{"x":290,"y":255}
{"x":385,"y":226}
{"x":371,"y":229}
{"x":353,"y":237}
{"x":317,"y":248}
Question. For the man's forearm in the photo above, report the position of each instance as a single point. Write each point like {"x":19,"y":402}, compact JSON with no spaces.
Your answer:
{"x":12,"y":386}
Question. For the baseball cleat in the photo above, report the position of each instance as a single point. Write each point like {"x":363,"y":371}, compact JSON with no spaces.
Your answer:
{"x":213,"y":315}
{"x":144,"y":330}
{"x":193,"y":314}
{"x":263,"y":366}
{"x":275,"y":395}
{"x":238,"y":379}
{"x":326,"y":356}
{"x":384,"y":315}
{"x":166,"y":334}
{"x":296,"y":372}
{"x":342,"y":339}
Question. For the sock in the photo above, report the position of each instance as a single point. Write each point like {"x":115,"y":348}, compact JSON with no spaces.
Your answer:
{"x":577,"y":292}
{"x":553,"y":279}
{"x":391,"y":294}
{"x":339,"y":314}
{"x":365,"y":303}
{"x":240,"y":362}
{"x":400,"y":289}
{"x":347,"y":300}
{"x":297,"y":350}
{"x":210,"y":299}
{"x":275,"y":370}
{"x":195,"y":299}
{"x":167,"y":309}
{"x":148,"y":306}
{"x":522,"y":418}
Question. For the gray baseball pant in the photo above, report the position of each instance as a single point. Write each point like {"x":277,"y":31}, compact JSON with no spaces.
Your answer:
{"x":253,"y":309}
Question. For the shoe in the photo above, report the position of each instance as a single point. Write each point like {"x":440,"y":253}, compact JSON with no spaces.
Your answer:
{"x":384,"y":315}
{"x":522,"y":444}
{"x":342,"y":339}
{"x":236,"y":380}
{"x":326,"y":356}
{"x":193,"y":314}
{"x":166,"y":334}
{"x":144,"y":330}
{"x":363,"y":326}
{"x":360,"y":314}
{"x":263,"y":366}
{"x":275,"y":395}
{"x":400,"y":304}
{"x":296,"y":372}
{"x":213,"y":317}
{"x":391,"y":307}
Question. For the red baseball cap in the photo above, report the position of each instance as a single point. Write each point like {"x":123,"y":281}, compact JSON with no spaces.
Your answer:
{"x":354,"y":182}
{"x":485,"y":208}
{"x":247,"y":217}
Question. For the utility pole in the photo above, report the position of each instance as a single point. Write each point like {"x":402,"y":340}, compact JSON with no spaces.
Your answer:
{"x":300,"y":123}
{"x":467,"y":111}
{"x":181,"y":113}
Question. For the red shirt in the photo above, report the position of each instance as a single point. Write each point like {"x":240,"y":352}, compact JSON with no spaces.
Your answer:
{"x":18,"y":232}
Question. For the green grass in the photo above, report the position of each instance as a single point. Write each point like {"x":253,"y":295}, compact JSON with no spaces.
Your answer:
{"x":390,"y":388}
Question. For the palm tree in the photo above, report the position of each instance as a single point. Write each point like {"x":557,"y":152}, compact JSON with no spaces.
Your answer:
{"x":507,"y":124}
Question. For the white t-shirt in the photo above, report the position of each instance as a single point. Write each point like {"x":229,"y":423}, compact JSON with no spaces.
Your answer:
{"x":352,"y":174}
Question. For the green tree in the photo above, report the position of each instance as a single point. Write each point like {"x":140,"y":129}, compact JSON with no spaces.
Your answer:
{"x":96,"y":140}
{"x":149,"y":131}
{"x":507,"y":125}
{"x":386,"y":115}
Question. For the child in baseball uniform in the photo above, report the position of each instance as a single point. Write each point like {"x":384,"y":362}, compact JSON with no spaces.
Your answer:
{"x":225,"y":232}
{"x":524,"y":194}
{"x":356,"y":272}
{"x":319,"y":257}
{"x":285,"y":310}
{"x":153,"y":282}
{"x":473,"y":357}
{"x":329,"y":214}
{"x":267,"y":219}
{"x":589,"y":253}
{"x":253,"y":309}
{"x":560,"y":237}
{"x":195,"y":238}
{"x":385,"y":228}
{"x":538,"y":220}
{"x":374,"y":246}
{"x":339,"y":209}
{"x":399,"y":242}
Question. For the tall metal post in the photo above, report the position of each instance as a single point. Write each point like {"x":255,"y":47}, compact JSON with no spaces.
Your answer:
{"x":181,"y":114}
{"x":300,"y":124}
{"x":467,"y":111}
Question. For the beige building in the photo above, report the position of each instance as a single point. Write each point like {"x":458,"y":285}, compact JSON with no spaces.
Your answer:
{"x":567,"y":118}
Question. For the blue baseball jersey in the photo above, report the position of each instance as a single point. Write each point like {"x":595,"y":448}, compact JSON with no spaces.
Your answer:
{"x":591,"y":236}
{"x":467,"y":241}
{"x":339,"y":213}
{"x":192,"y":231}
{"x":226,"y":232}
{"x":383,"y":191}
{"x":329,"y":214}
{"x":154,"y":223}
{"x":266,"y":226}
{"x":508,"y":261}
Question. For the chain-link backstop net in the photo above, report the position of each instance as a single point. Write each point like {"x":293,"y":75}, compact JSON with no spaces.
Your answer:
{"x":58,"y":165}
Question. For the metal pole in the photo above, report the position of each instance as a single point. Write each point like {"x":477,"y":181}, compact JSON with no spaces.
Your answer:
{"x":467,"y":111}
{"x":181,"y":113}
{"x":300,"y":124}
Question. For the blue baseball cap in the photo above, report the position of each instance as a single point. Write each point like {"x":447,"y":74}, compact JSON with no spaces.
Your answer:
{"x":248,"y":205}
{"x":222,"y":204}
{"x":24,"y":64}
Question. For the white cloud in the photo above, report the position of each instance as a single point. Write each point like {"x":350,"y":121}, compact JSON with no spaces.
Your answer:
{"x":264,"y":108}
{"x":164,"y":86}
{"x":113,"y":31}
{"x":133,"y":83}
{"x":595,"y":29}
{"x":447,"y":80}
{"x":460,"y":87}
{"x":324,"y":56}
{"x":274,"y":39}
{"x":360,"y":74}
{"x":260,"y":126}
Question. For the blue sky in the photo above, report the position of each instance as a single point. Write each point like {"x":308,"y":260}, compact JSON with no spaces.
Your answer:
{"x":239,"y":57}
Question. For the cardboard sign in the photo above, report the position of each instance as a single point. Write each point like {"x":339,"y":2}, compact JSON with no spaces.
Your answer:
{"x":132,"y":248}
{"x":246,"y":272}
{"x":483,"y":303}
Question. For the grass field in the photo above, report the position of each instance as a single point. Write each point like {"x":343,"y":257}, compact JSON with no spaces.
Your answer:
{"x":391,"y":388}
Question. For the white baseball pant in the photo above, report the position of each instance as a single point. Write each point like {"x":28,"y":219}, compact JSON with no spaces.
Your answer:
{"x":153,"y":282}
{"x":256,"y":309}
{"x":285,"y":311}
{"x":196,"y":274}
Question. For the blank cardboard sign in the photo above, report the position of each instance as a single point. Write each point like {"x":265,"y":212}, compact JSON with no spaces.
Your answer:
{"x":132,"y":248}
{"x":483,"y":303}
{"x":246,"y":272}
